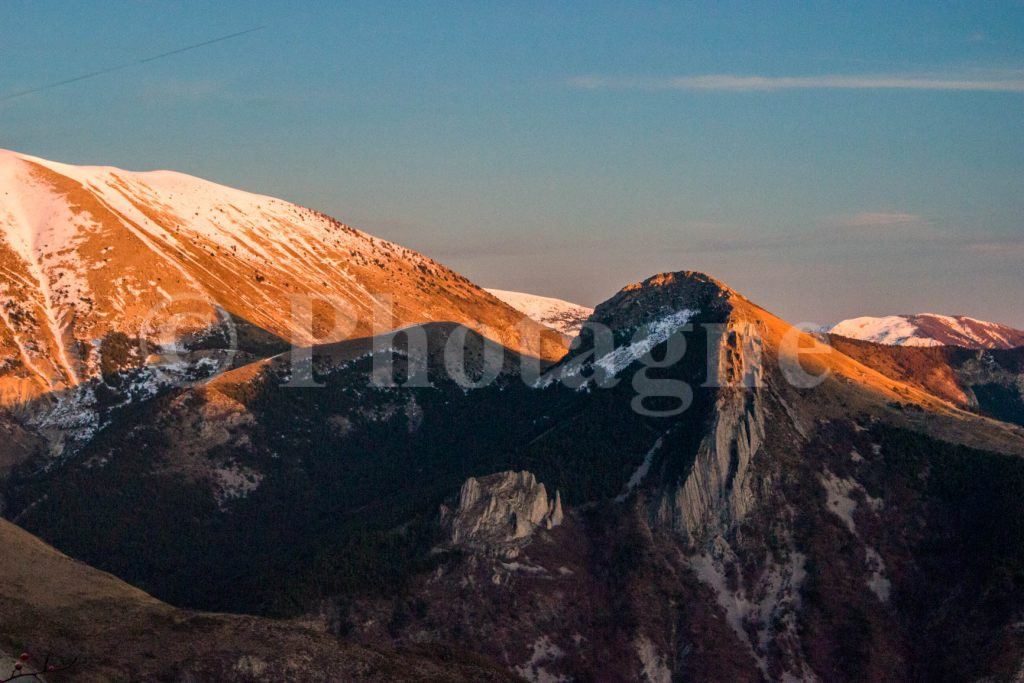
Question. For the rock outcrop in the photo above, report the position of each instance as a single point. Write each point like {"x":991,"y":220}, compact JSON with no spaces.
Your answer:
{"x":498,"y":514}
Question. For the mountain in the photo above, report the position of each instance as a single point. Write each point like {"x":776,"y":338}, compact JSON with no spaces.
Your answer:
{"x":117,"y":284}
{"x":700,"y":492}
{"x":930,"y":329}
{"x":561,"y":315}
{"x":103,"y":629}
{"x":97,"y":259}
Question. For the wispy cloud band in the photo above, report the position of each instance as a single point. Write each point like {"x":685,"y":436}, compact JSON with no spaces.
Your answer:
{"x":735,"y":83}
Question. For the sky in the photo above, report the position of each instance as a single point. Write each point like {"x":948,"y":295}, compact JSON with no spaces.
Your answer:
{"x":828,"y":160}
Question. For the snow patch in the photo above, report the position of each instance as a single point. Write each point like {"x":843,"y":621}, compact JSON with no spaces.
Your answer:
{"x":235,"y":481}
{"x":564,"y":316}
{"x":930,"y":329}
{"x":769,"y":612}
{"x":544,"y":651}
{"x":656,"y":332}
{"x":890,"y":329}
{"x":638,"y":475}
{"x":877,"y":580}
{"x":842,"y":504}
{"x":838,"y":498}
{"x":654,"y":669}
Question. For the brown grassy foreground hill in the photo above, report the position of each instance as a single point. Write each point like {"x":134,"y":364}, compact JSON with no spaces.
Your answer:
{"x":51,"y":604}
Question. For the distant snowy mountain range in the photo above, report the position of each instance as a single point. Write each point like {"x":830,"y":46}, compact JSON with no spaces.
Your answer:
{"x":564,"y":316}
{"x":930,"y":329}
{"x":923,"y":329}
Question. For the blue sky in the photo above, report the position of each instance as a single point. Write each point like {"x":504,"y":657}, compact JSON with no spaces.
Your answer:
{"x":826,"y":160}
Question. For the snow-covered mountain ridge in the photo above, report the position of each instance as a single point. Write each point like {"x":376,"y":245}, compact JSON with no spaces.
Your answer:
{"x":930,"y":329}
{"x":89,"y":251}
{"x":564,"y":316}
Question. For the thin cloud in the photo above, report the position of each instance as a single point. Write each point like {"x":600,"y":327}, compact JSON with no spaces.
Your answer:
{"x":717,"y":237}
{"x":883,"y":220}
{"x":995,"y":246}
{"x":876,"y":227}
{"x":737,"y":83}
{"x":709,"y":237}
{"x":897,"y":228}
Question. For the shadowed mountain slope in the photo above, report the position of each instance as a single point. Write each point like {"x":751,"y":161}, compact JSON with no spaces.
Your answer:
{"x":53,"y":605}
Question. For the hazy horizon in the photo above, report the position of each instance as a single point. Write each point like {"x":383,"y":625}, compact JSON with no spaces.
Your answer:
{"x":827,"y":163}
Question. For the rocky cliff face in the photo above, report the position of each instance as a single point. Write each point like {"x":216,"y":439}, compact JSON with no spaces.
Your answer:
{"x":499,"y":513}
{"x":718,"y":490}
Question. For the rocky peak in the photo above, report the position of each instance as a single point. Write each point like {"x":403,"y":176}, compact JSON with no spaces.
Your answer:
{"x":658,"y":295}
{"x":498,"y":514}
